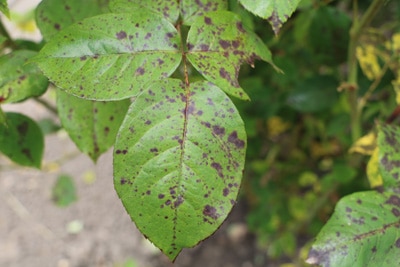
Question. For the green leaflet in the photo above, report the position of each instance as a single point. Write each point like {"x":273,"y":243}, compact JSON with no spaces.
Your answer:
{"x":91,"y":125}
{"x":191,"y":10}
{"x":389,"y":156}
{"x":21,"y":140}
{"x":169,"y":9}
{"x":4,"y":8}
{"x":218,"y":44}
{"x":53,"y":16}
{"x":275,"y":11}
{"x":64,"y":191}
{"x":19,"y":80}
{"x":111,"y":56}
{"x":363,"y":231}
{"x":365,"y":228}
{"x":178,"y":162}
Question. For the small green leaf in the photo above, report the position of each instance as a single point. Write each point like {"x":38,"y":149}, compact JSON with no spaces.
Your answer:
{"x":218,"y":44}
{"x":275,"y":11}
{"x":64,"y":192}
{"x":53,"y":16}
{"x":388,"y":155}
{"x":4,"y":8}
{"x":21,"y":140}
{"x":111,"y":56}
{"x":314,"y":94}
{"x":91,"y":125}
{"x":363,"y":231}
{"x":169,"y":9}
{"x":19,"y":80}
{"x":3,"y":119}
{"x":178,"y":162}
{"x":191,"y":10}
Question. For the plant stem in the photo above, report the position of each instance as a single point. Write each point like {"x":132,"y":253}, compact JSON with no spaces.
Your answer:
{"x":47,"y":105}
{"x":355,"y":33}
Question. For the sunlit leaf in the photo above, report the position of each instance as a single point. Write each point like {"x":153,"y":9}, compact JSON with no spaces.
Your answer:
{"x":363,"y":231}
{"x":178,"y":162}
{"x":19,"y":80}
{"x":373,"y":172}
{"x":365,"y":145}
{"x":21,"y":140}
{"x":191,"y":10}
{"x":111,"y":56}
{"x":218,"y":44}
{"x":169,"y":9}
{"x":92,"y":125}
{"x":53,"y":16}
{"x":275,"y":11}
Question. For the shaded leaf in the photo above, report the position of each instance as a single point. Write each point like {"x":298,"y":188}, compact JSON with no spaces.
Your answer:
{"x":111,"y":56}
{"x":91,"y":125}
{"x":363,"y":231}
{"x":21,"y":140}
{"x":53,"y":16}
{"x":218,"y":44}
{"x":64,"y":191}
{"x":4,"y":8}
{"x":169,"y":9}
{"x":314,"y":94}
{"x":191,"y":10}
{"x":178,"y":162}
{"x":389,"y":156}
{"x":275,"y":11}
{"x":19,"y":80}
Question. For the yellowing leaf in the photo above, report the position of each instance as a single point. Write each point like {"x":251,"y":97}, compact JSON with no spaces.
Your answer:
{"x":368,"y":59}
{"x":365,"y":145}
{"x":374,"y":176}
{"x":276,"y":126}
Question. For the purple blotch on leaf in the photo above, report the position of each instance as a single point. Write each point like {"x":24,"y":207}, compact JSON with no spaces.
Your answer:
{"x":121,"y":35}
{"x":210,"y":211}
{"x":218,"y":130}
{"x":233,"y":138}
{"x":394,"y":200}
{"x":207,"y":20}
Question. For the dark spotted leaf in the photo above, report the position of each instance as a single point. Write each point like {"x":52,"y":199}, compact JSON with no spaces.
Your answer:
{"x":363,"y":231}
{"x":4,"y":8}
{"x":21,"y":140}
{"x":218,"y":44}
{"x":389,"y":156}
{"x":111,"y":56}
{"x":92,"y":125}
{"x":64,"y":191}
{"x":19,"y":80}
{"x":191,"y":10}
{"x":178,"y":162}
{"x":53,"y":16}
{"x":169,"y":9}
{"x":275,"y":11}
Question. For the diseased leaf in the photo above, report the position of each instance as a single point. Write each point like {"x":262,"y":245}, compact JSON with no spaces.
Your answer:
{"x":389,"y":156}
{"x":111,"y":56}
{"x":191,"y":10}
{"x":21,"y":140}
{"x":19,"y":80}
{"x":275,"y":11}
{"x":53,"y":16}
{"x":363,"y":231}
{"x":91,"y":125}
{"x":218,"y":44}
{"x":373,"y":172}
{"x":169,"y":9}
{"x":64,"y":192}
{"x":178,"y":162}
{"x":4,"y":8}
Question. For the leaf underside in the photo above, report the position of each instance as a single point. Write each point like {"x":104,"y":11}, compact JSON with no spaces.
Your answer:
{"x":178,"y":162}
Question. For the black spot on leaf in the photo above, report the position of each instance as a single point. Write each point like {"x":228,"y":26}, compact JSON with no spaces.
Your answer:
{"x":210,"y":211}
{"x":207,"y":20}
{"x":233,"y":138}
{"x":396,"y":212}
{"x":393,"y":200}
{"x":218,"y":130}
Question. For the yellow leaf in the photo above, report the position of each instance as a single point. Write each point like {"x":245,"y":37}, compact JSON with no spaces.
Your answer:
{"x":276,"y":126}
{"x":374,"y":176}
{"x":365,"y":145}
{"x":368,"y":59}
